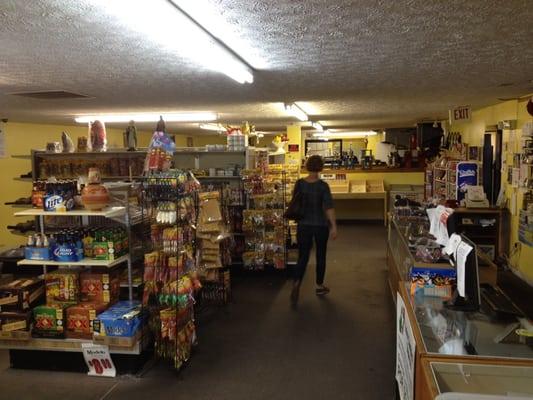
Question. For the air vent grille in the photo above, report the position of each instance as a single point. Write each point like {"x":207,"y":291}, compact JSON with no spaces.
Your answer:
{"x":51,"y":95}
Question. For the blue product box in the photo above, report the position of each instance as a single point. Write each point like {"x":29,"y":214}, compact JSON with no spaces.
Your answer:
{"x":121,"y":319}
{"x":67,"y":252}
{"x":37,"y":253}
{"x":433,"y":281}
{"x":58,"y":202}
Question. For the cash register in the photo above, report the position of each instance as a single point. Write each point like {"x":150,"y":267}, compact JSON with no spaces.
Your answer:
{"x":476,"y":198}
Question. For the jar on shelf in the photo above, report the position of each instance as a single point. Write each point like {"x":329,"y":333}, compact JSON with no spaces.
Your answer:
{"x":94,"y":195}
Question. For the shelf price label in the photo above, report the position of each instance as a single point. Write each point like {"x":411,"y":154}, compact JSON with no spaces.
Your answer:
{"x":98,"y":360}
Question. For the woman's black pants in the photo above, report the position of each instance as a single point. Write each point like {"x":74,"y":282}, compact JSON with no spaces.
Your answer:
{"x":305,"y":236}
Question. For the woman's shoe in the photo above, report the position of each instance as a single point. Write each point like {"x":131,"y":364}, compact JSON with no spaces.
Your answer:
{"x":322,"y":290}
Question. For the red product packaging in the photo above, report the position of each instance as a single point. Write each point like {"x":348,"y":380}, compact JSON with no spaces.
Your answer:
{"x":101,"y":288}
{"x":80,"y":320}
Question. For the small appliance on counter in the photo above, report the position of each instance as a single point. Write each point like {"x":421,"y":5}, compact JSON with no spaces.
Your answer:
{"x":476,"y":198}
{"x":366,"y":159}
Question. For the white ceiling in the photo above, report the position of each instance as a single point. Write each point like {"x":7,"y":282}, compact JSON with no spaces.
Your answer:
{"x":351,"y":64}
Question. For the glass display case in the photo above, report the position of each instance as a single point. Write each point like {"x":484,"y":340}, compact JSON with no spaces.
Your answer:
{"x":456,"y":333}
{"x":498,"y":380}
{"x":399,"y":249}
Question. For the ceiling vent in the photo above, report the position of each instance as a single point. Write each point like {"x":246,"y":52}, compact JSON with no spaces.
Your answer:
{"x":51,"y":95}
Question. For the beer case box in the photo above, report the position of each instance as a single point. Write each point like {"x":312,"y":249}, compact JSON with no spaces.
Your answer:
{"x":99,"y":287}
{"x":49,"y":321}
{"x":37,"y":253}
{"x":80,"y":320}
{"x":121,"y":319}
{"x":62,"y":287}
{"x":21,"y":294}
{"x":15,"y":321}
{"x":104,"y":251}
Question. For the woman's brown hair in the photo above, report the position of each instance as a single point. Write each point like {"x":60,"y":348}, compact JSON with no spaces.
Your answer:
{"x":314,"y":164}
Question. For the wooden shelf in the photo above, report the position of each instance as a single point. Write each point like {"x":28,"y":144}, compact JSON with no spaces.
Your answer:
{"x":22,"y":156}
{"x":112,"y":152}
{"x":202,"y":152}
{"x":218,"y":177}
{"x":67,"y":345}
{"x":364,"y":171}
{"x":86,"y":262}
{"x":23,"y":179}
{"x":110,"y":212}
{"x":366,"y":195}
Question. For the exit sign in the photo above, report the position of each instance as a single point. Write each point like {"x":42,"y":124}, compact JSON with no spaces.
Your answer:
{"x":460,"y":114}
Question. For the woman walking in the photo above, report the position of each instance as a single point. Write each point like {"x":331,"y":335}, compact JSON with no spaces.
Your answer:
{"x":317,"y":223}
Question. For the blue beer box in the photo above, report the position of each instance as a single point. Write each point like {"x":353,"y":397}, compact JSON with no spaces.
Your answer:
{"x":37,"y":253}
{"x":121,"y":319}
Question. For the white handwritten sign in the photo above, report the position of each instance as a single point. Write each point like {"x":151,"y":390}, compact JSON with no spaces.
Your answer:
{"x":98,"y":360}
{"x":405,"y":352}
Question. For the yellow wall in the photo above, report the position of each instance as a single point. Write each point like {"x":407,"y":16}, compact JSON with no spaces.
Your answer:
{"x":473,"y":135}
{"x":294,"y":136}
{"x":21,"y":138}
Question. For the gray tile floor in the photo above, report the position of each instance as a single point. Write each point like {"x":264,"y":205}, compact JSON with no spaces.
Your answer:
{"x":338,"y":347}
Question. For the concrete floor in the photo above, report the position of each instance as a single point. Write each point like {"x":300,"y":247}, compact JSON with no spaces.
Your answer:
{"x":338,"y":347}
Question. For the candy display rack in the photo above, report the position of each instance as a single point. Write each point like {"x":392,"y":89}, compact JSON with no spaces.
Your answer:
{"x":170,"y":201}
{"x":267,"y":233}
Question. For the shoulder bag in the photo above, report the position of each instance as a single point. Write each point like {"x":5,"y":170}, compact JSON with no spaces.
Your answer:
{"x":295,"y":208}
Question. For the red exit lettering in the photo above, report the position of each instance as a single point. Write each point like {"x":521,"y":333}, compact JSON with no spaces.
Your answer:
{"x":461,"y":113}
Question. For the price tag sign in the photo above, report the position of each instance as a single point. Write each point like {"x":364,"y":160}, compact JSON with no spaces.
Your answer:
{"x":98,"y":360}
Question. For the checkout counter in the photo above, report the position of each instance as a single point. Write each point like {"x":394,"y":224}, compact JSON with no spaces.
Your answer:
{"x":374,"y":202}
{"x":456,"y":351}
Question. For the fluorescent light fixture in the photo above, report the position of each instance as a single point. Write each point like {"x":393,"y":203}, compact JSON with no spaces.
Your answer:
{"x":344,"y":135}
{"x":317,"y":126}
{"x":208,"y":16}
{"x":296,"y":111}
{"x":212,"y":127}
{"x":165,"y":25}
{"x":148,"y":117}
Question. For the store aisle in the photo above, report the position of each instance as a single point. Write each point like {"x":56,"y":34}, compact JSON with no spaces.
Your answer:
{"x":339,"y":347}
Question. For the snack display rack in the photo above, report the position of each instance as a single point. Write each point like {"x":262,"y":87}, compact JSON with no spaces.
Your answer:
{"x":214,"y":248}
{"x":170,"y":266}
{"x":266,"y":231}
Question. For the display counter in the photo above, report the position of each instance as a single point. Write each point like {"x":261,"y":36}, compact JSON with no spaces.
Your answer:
{"x":442,"y":334}
{"x":371,"y":208}
{"x":477,"y":378}
{"x":445,"y":335}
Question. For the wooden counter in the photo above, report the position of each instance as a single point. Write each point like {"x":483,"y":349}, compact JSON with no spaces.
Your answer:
{"x":372,"y":170}
{"x":424,"y":384}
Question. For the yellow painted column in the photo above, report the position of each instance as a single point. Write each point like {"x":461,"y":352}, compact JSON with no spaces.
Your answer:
{"x":294,"y":136}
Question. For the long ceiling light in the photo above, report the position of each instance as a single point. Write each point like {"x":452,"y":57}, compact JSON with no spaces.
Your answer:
{"x":296,"y":111}
{"x":165,"y":24}
{"x":344,"y":135}
{"x":208,"y":16}
{"x":212,"y":127}
{"x":317,"y":126}
{"x":148,"y":117}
